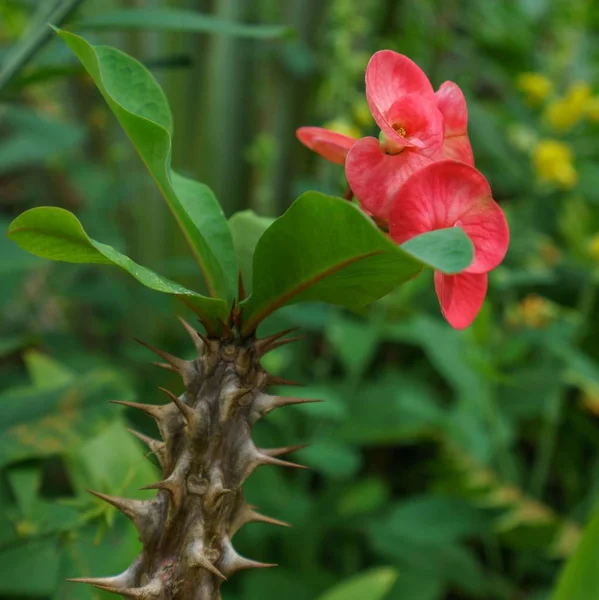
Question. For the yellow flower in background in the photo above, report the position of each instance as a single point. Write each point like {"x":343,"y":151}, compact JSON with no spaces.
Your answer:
{"x":592,"y":110}
{"x":534,"y":311}
{"x":593,"y":247}
{"x":553,"y":161}
{"x":535,"y":86}
{"x":343,"y":127}
{"x":565,"y":112}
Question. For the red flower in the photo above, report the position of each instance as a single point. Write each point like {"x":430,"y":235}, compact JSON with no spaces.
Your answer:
{"x":418,"y":127}
{"x":452,"y":104}
{"x":449,"y":193}
{"x":333,"y":146}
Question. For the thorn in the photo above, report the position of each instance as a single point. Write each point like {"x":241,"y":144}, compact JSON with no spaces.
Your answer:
{"x":235,"y":562}
{"x":186,"y":410}
{"x":271,"y":460}
{"x":243,"y":361}
{"x":197,"y":338}
{"x":273,"y":402}
{"x":171,"y":487}
{"x":157,"y":448}
{"x":284,"y":342}
{"x":241,"y":294}
{"x":208,"y":325}
{"x":199,"y":560}
{"x":154,"y":410}
{"x":215,"y":493}
{"x":134,"y":509}
{"x":148,"y":592}
{"x":264,"y":404}
{"x":227,"y":331}
{"x":126,"y":579}
{"x":256,"y":517}
{"x":165,"y":366}
{"x":177,"y":363}
{"x":284,"y":450}
{"x":281,"y":401}
{"x":238,"y":394}
{"x":275,"y":380}
{"x":264,"y":345}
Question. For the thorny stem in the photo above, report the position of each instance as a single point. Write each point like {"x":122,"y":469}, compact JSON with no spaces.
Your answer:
{"x":206,"y":454}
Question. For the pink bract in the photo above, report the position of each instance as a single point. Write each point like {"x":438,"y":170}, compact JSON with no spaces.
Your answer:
{"x":329,"y":144}
{"x":452,"y":104}
{"x":445,"y":194}
{"x":376,"y":177}
{"x":449,"y":193}
{"x":389,"y":76}
{"x":461,"y":296}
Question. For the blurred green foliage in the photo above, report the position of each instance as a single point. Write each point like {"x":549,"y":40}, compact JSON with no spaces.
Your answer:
{"x":445,"y":465}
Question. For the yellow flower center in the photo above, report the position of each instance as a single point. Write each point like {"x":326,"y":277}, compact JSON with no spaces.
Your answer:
{"x":400,"y":129}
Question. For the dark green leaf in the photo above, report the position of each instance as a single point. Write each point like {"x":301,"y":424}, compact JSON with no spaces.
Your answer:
{"x":334,"y":459}
{"x":45,"y":372}
{"x":173,"y":19}
{"x":142,"y":109}
{"x":36,"y":422}
{"x":579,"y":579}
{"x":247,"y":227}
{"x":57,"y":234}
{"x":203,"y":208}
{"x":448,"y":250}
{"x":17,"y":563}
{"x":323,"y":248}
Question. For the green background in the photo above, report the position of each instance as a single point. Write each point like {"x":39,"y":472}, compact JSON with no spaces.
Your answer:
{"x":444,"y":465}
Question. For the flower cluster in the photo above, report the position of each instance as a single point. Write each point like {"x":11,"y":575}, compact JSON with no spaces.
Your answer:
{"x":419,"y":175}
{"x":554,"y":163}
{"x":553,"y":159}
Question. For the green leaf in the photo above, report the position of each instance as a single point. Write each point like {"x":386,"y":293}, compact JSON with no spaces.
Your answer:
{"x":207,"y":214}
{"x":84,"y":552}
{"x":364,"y":496}
{"x":579,"y":579}
{"x":448,"y":250}
{"x":333,"y":459}
{"x":247,"y":228}
{"x":17,"y":564}
{"x":113,"y":462}
{"x":57,"y":234}
{"x":36,"y":422}
{"x":24,"y":483}
{"x":140,"y":106}
{"x":323,"y":248}
{"x":370,"y":585}
{"x":45,"y":372}
{"x":172,"y":19}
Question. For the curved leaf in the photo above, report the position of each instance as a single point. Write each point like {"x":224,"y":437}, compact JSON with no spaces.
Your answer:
{"x":57,"y":234}
{"x":448,"y":250}
{"x":323,"y":248}
{"x":174,"y":19}
{"x":579,"y":579}
{"x":205,"y":211}
{"x":142,"y":109}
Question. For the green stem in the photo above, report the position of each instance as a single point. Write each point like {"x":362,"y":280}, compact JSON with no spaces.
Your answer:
{"x":28,"y":46}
